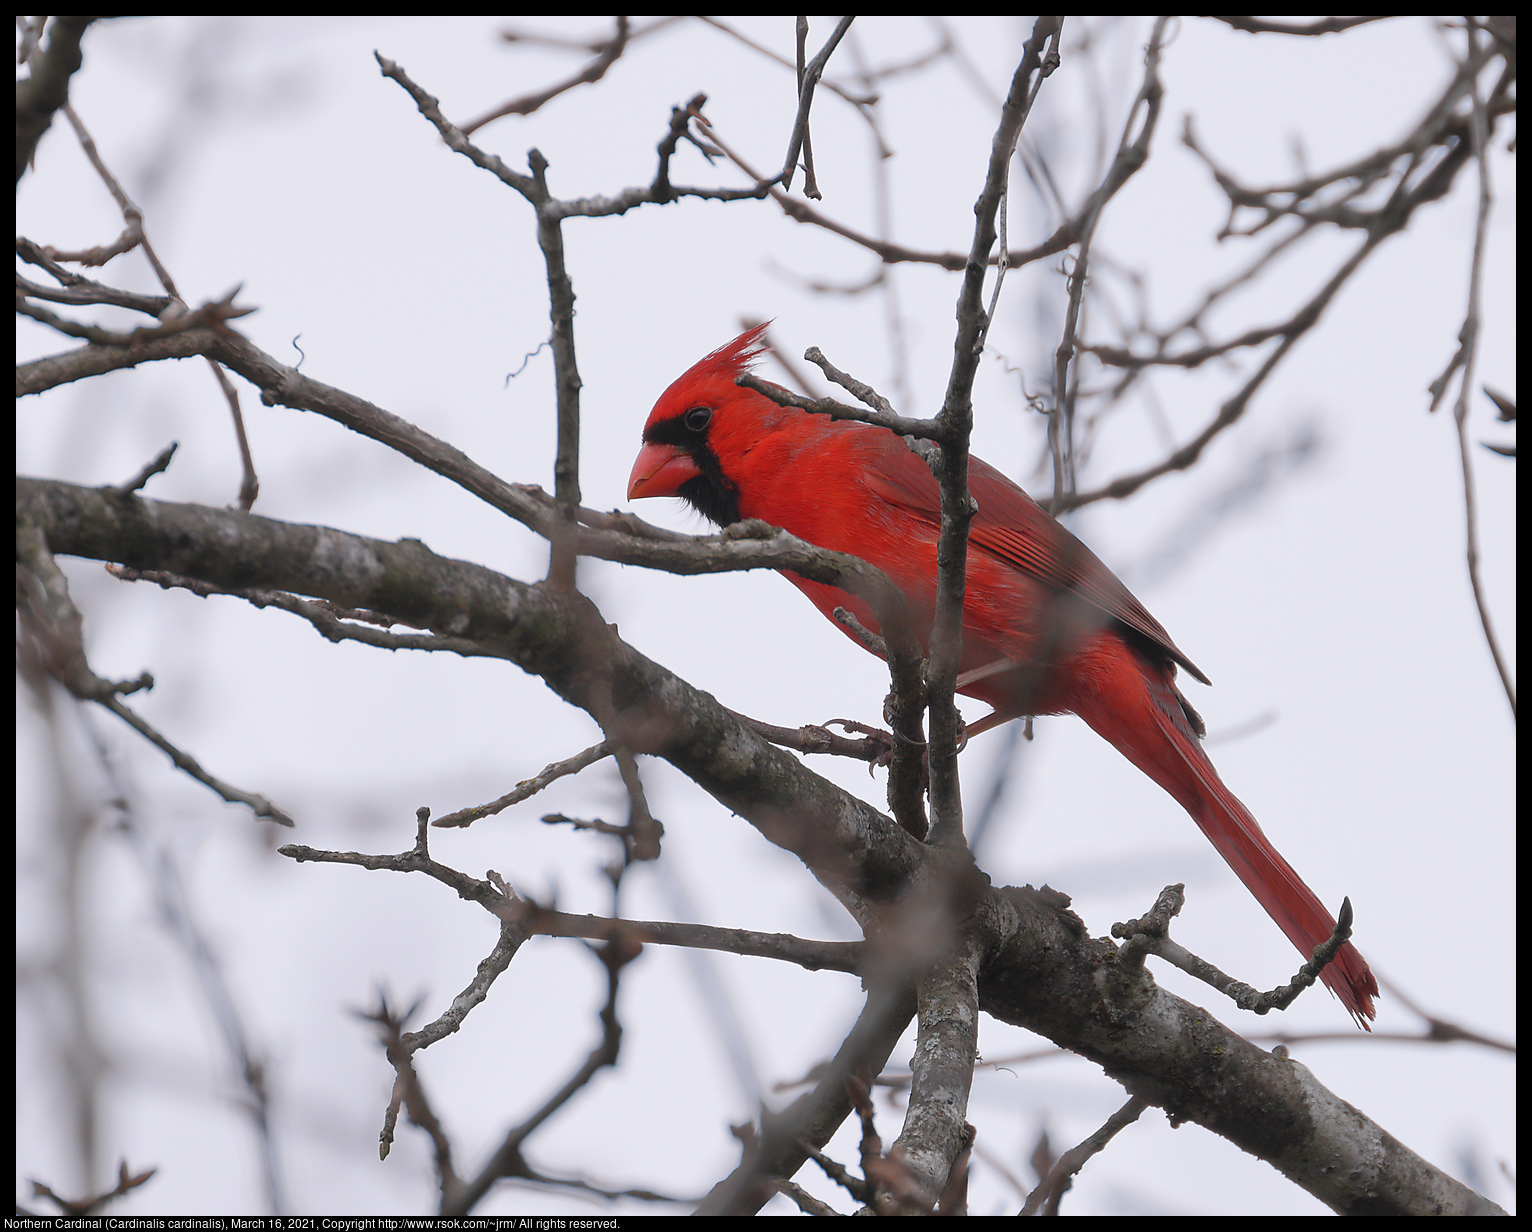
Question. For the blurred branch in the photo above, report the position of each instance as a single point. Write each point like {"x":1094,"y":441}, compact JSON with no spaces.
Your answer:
{"x":1325,"y":25}
{"x":53,"y":638}
{"x":79,"y":289}
{"x":1415,"y":171}
{"x":508,"y":1160}
{"x":607,"y":54}
{"x":408,"y":1093}
{"x":1466,"y":357}
{"x":46,"y":88}
{"x":1132,"y":153}
{"x":77,"y":1208}
{"x":174,"y":316}
{"x":249,"y":1062}
{"x":792,"y":1136}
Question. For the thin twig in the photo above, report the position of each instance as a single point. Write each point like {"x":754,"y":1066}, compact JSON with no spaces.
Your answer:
{"x":528,"y":787}
{"x":1061,"y":1175}
{"x":135,"y":236}
{"x":607,"y":56}
{"x":55,"y":629}
{"x":808,"y":78}
{"x":1469,"y":339}
{"x":1132,"y":153}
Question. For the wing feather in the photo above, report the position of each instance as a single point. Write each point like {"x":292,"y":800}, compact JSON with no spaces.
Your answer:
{"x":1012,"y":526}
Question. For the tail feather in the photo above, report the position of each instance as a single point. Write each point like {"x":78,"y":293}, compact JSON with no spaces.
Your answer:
{"x":1168,"y":752}
{"x":1272,"y":880}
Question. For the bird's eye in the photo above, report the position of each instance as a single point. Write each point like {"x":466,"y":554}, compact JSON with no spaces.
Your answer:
{"x":698,"y":418}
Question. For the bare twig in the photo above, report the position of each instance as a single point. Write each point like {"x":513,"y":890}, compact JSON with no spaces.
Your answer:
{"x":787,"y":1138}
{"x":508,"y":1160}
{"x":810,"y":955}
{"x":1061,"y":1175}
{"x":1468,"y":338}
{"x":55,"y":631}
{"x":76,"y":1208}
{"x":805,"y":1201}
{"x":528,"y":787}
{"x":175,"y":316}
{"x":258,"y":805}
{"x":1151,"y":935}
{"x":883,"y":418}
{"x":1418,"y":169}
{"x":815,"y":738}
{"x":607,"y":54}
{"x":1132,"y":153}
{"x":746,"y":40}
{"x":808,"y":78}
{"x":155,"y":466}
{"x":408,"y":1092}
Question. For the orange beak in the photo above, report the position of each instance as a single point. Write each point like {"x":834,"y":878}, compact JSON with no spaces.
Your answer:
{"x":660,"y":470}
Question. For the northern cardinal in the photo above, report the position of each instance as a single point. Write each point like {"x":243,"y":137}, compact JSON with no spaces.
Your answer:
{"x":1034,"y":592}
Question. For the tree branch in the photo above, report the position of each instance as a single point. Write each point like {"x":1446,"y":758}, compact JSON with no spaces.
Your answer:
{"x":1039,"y":968}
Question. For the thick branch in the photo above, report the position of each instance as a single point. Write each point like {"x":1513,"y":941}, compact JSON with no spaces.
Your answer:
{"x":46,"y":88}
{"x":1039,"y":969}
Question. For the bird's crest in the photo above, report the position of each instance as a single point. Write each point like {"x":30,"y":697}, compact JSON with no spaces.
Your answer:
{"x":734,"y":358}
{"x":711,"y":378}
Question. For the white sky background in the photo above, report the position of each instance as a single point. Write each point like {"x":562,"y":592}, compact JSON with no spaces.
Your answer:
{"x":1334,"y":601}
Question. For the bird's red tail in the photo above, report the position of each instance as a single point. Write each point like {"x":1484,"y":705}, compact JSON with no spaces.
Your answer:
{"x":1143,"y":718}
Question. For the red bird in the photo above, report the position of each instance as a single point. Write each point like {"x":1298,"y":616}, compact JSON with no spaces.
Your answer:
{"x":1034,"y":592}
